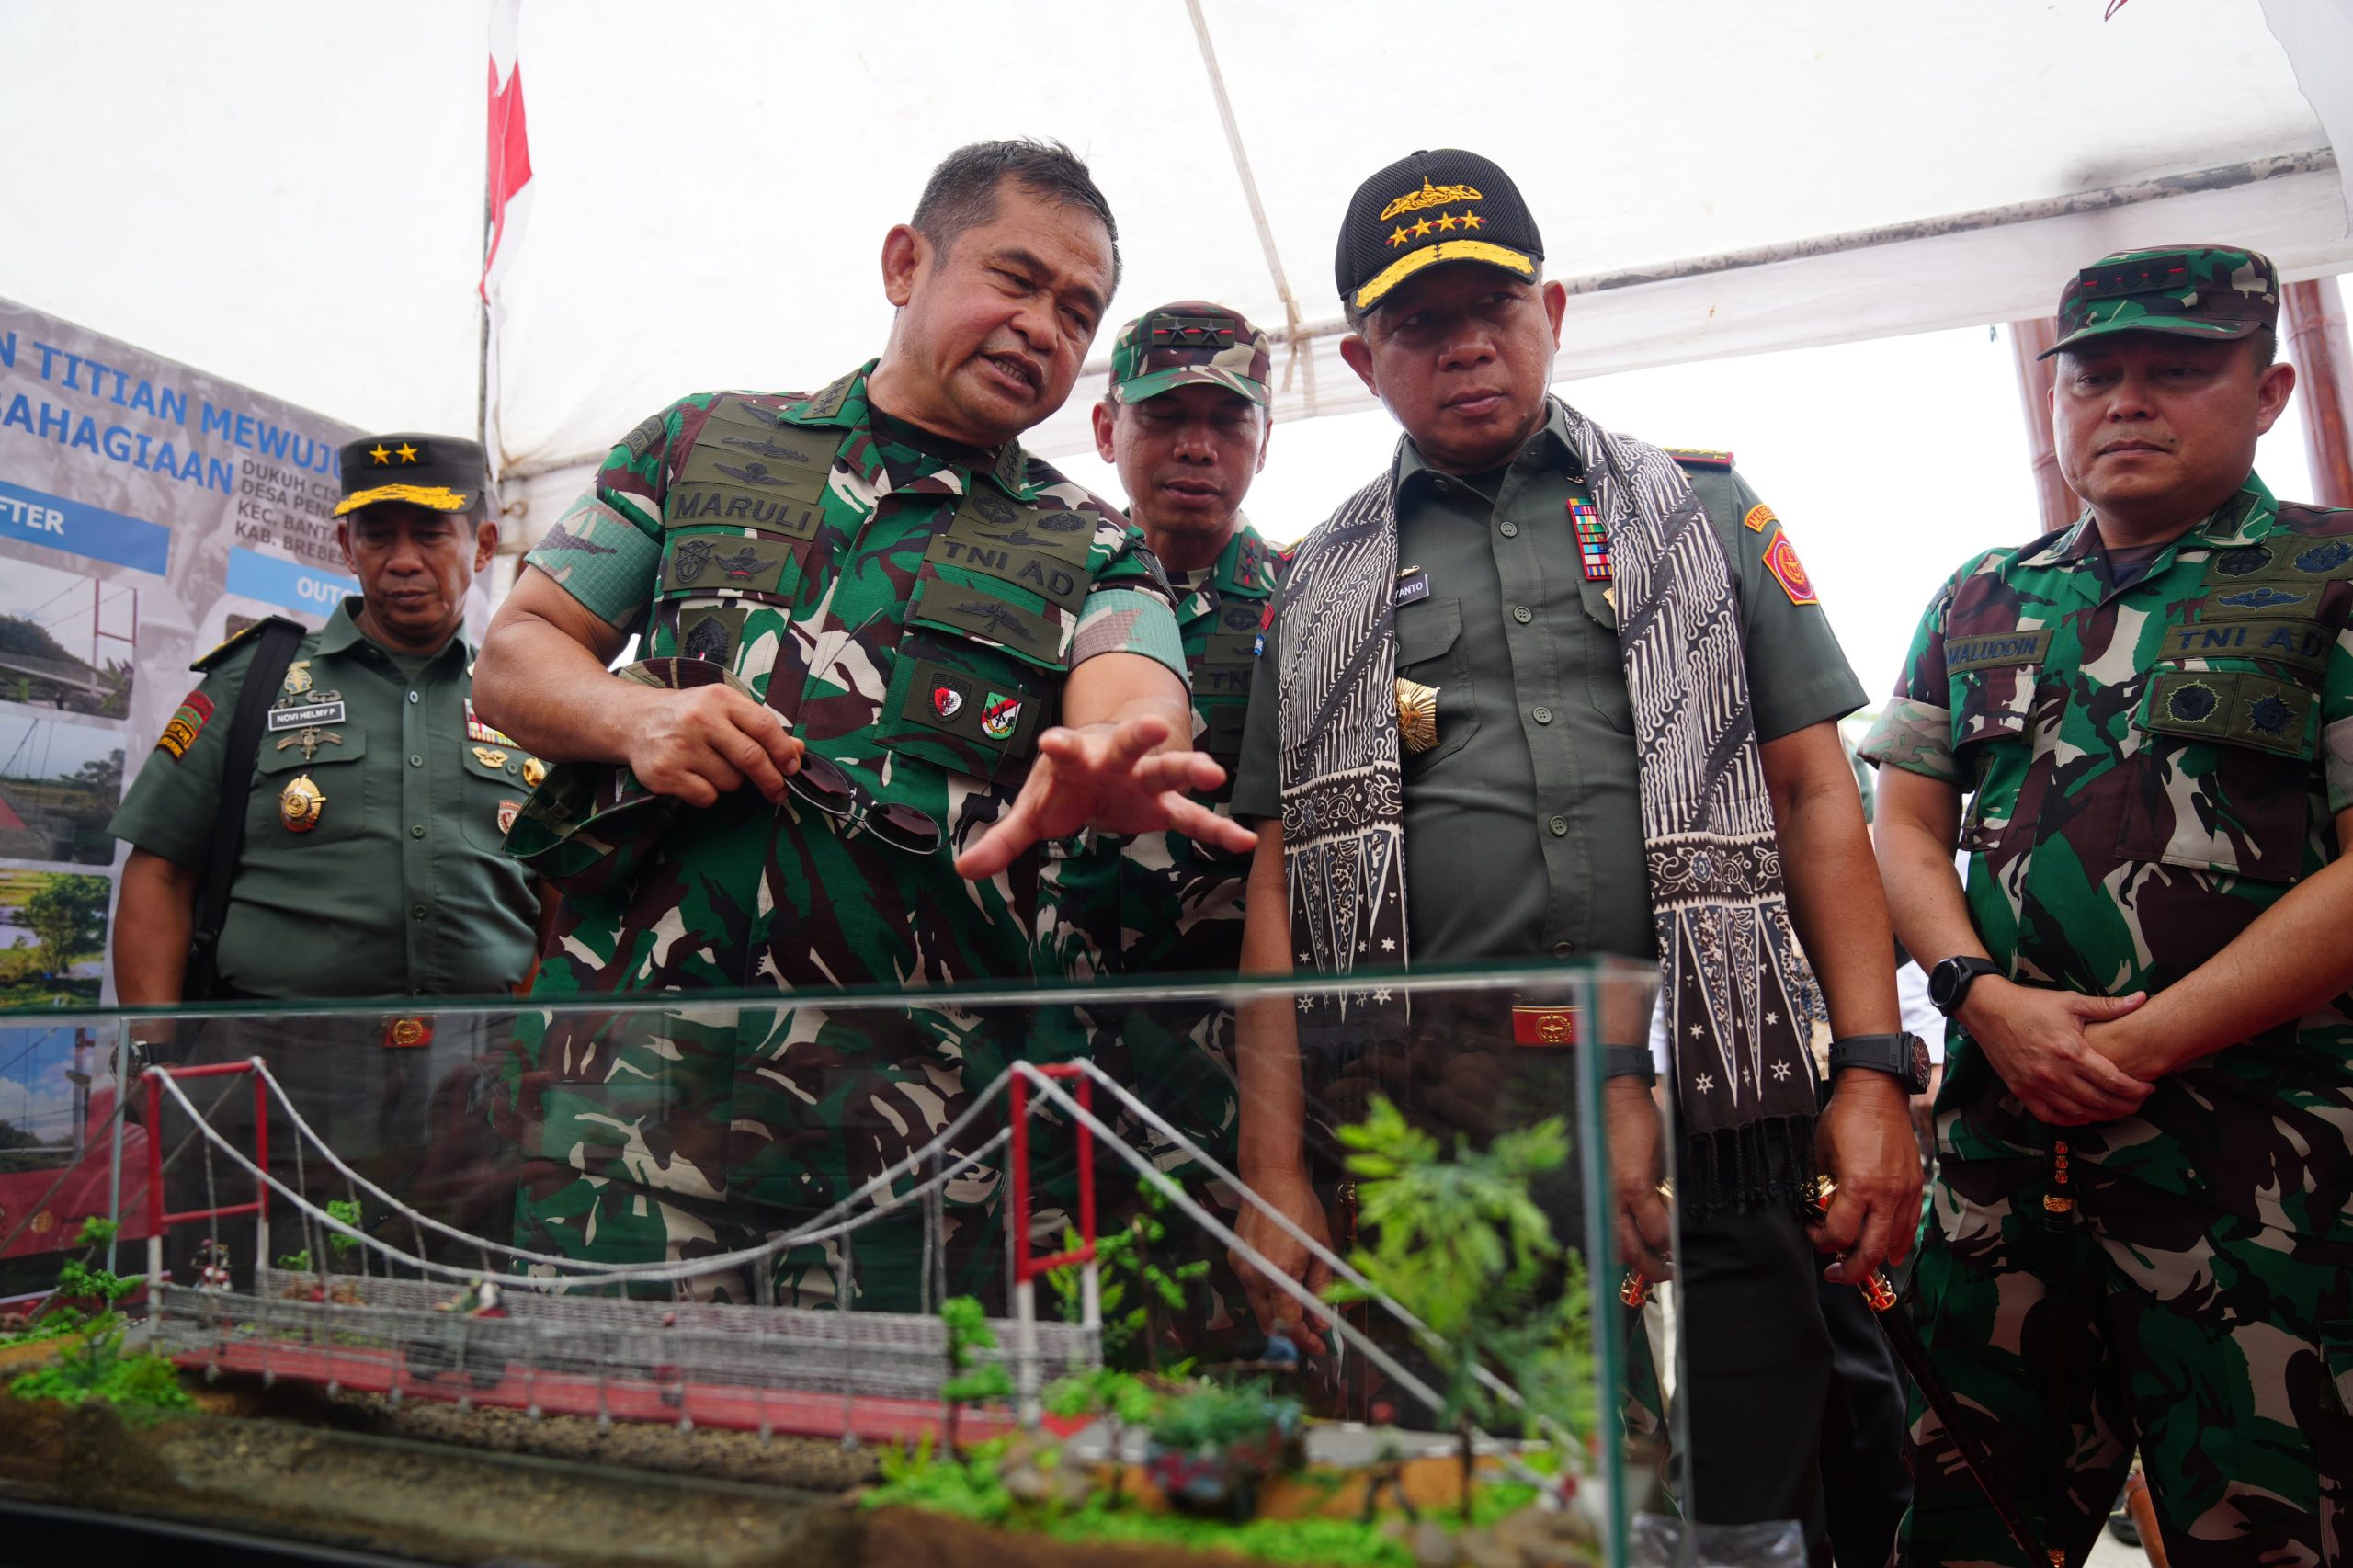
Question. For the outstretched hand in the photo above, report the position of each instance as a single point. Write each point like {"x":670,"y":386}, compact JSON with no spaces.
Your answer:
{"x":1107,"y":777}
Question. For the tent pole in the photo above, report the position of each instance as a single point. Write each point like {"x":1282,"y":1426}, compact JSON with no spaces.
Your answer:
{"x":2316,"y":342}
{"x":2055,"y":504}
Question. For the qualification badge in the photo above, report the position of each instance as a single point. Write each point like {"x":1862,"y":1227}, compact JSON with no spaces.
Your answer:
{"x":508,"y":812}
{"x":1416,"y":715}
{"x":490,"y":757}
{"x":300,"y":804}
{"x":533,"y":771}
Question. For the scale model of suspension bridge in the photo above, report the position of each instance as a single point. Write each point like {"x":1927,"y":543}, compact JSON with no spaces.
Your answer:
{"x":552,"y":1334}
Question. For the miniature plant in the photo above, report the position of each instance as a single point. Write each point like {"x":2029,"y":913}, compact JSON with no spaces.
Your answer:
{"x":347,"y":1211}
{"x":92,"y":1365}
{"x":295,"y":1262}
{"x":1461,"y":1245}
{"x":1126,"y":1256}
{"x":970,"y":1379}
{"x":1119,"y":1399}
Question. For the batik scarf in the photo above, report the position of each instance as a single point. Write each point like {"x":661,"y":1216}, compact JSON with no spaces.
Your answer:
{"x":1737,"y":990}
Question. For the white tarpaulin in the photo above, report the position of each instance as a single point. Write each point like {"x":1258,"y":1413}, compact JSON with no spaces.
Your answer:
{"x":290,"y":195}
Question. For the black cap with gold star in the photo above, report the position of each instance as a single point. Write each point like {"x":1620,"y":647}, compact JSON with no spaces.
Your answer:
{"x":1428,"y":208}
{"x":444,"y":473}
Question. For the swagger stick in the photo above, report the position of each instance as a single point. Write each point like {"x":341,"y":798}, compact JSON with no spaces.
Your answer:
{"x":1904,"y":1339}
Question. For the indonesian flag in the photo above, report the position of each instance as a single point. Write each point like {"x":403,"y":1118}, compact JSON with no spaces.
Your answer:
{"x":507,"y":192}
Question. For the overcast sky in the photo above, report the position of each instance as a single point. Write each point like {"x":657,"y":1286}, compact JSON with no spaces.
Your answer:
{"x":1889,"y":464}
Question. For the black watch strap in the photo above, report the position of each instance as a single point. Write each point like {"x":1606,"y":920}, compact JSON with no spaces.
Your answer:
{"x":1948,"y":982}
{"x":1903,"y":1056}
{"x":1629,"y":1062}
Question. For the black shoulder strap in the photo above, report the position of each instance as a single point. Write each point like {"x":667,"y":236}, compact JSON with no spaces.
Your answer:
{"x":273,"y":652}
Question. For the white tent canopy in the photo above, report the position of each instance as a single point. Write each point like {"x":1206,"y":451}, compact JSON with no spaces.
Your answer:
{"x":293,"y":192}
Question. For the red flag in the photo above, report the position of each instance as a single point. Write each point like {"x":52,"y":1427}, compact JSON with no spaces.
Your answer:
{"x":508,"y":169}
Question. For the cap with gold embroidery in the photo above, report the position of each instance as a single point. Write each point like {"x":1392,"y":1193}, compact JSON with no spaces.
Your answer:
{"x":1430,"y":208}
{"x":443,"y":474}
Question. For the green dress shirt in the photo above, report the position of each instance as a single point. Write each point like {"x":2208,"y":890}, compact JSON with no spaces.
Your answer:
{"x":1523,"y":824}
{"x":400,"y":887}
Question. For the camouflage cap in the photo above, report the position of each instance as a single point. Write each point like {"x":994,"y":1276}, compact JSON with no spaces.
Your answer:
{"x":1190,"y":342}
{"x":2194,"y":290}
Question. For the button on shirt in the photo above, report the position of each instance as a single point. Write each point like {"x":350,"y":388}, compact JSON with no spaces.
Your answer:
{"x":1536,"y":763}
{"x":402,"y":887}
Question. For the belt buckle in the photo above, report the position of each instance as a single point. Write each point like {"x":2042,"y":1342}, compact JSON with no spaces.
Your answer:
{"x":407,"y":1034}
{"x":1550,"y":1027}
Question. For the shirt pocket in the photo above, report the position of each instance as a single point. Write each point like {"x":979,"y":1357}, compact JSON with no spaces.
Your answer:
{"x":713,"y":580}
{"x":2223,"y":777}
{"x":277,"y":800}
{"x":1605,"y":668}
{"x":978,"y":676}
{"x":1430,"y":653}
{"x":1993,"y":725}
{"x":492,"y":792}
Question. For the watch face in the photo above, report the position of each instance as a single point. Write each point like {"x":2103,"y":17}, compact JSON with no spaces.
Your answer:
{"x":1919,"y":1063}
{"x":1945,"y":985}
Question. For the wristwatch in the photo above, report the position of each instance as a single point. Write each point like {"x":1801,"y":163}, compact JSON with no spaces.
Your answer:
{"x":1904,"y":1057}
{"x":1949,"y":981}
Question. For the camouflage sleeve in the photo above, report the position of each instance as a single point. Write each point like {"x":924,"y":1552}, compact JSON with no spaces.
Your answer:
{"x":2336,"y":722}
{"x":174,"y":806}
{"x":1913,"y":731}
{"x":1131,"y":608}
{"x":606,"y":551}
{"x":1128,"y":620}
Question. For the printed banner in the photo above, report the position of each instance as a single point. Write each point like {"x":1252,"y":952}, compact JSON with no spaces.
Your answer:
{"x":147,"y":511}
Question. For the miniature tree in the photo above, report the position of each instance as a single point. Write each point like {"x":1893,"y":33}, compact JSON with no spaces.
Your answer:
{"x":1120,"y":1399}
{"x":1126,"y":1255}
{"x":77,"y":1281}
{"x":93,"y":1364}
{"x":1461,"y":1245}
{"x":970,"y":1379}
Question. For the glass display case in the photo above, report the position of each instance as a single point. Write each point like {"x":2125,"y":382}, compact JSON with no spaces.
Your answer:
{"x":1305,"y":1270}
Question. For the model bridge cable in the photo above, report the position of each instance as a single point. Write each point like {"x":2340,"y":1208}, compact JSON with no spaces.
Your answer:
{"x":837,"y":1219}
{"x":582,"y":1271}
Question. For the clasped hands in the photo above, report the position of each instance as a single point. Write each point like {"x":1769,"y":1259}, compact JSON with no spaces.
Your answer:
{"x":2071,"y":1060}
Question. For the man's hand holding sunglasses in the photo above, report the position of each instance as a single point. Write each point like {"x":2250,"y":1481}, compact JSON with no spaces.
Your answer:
{"x":1108,"y":776}
{"x":702,"y":742}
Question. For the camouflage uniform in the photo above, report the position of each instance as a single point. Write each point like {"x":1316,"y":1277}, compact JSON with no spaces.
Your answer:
{"x":913,"y":612}
{"x":2152,"y":762}
{"x":1161,"y":904}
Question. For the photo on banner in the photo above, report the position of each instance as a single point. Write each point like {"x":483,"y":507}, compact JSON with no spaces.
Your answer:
{"x":59,"y":783}
{"x":52,"y":938}
{"x":67,"y":641}
{"x":45,"y":1075}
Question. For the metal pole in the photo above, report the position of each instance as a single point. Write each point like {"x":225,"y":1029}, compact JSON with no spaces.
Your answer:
{"x":2316,"y":344}
{"x":114,"y":1133}
{"x":2055,"y":504}
{"x":1025,"y":1308}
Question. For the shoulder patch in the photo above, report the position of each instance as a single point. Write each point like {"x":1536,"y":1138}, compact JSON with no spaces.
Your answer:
{"x":1696,"y":457}
{"x":1781,"y":560}
{"x":647,"y":436}
{"x":237,"y":640}
{"x":1757,"y":518}
{"x":186,"y":725}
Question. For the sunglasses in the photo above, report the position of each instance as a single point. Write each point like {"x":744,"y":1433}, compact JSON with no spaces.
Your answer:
{"x":824,"y":786}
